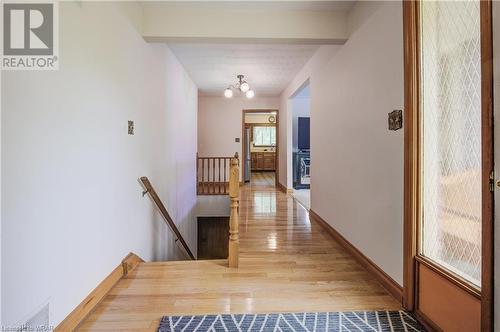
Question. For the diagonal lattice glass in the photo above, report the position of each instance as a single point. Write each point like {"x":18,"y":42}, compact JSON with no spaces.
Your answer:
{"x":451,"y":136}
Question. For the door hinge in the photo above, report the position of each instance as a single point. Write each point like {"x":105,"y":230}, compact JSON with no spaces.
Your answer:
{"x":492,"y":181}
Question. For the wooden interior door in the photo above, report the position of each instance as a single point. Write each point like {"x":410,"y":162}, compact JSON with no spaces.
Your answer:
{"x":448,"y":164}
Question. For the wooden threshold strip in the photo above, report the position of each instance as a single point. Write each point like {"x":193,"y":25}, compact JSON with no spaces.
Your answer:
{"x":73,"y":320}
{"x":387,"y":282}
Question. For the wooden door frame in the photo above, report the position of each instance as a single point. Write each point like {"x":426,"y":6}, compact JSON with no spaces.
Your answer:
{"x":412,"y":157}
{"x":243,"y":141}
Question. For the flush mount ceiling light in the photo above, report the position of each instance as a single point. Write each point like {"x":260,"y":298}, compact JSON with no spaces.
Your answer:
{"x":242,"y":86}
{"x":228,"y":93}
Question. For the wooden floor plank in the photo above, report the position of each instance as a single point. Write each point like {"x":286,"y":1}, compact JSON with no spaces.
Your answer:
{"x":287,"y":264}
{"x":266,"y":178}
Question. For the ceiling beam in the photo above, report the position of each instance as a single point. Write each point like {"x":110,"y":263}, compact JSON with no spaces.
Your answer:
{"x":164,"y":22}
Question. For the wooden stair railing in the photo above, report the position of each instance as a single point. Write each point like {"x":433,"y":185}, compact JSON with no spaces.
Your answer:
{"x":212,"y":175}
{"x":234,"y":196}
{"x":148,"y":189}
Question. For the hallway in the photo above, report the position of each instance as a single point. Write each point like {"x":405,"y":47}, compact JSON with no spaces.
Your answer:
{"x":281,"y":138}
{"x":287,"y":264}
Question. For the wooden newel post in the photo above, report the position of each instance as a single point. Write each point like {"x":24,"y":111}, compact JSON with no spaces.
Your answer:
{"x":234,"y":193}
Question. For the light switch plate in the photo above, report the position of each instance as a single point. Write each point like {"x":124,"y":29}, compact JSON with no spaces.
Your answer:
{"x":237,"y":140}
{"x":130,"y":127}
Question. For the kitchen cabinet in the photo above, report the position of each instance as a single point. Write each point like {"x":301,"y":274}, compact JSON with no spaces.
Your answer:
{"x":263,"y":161}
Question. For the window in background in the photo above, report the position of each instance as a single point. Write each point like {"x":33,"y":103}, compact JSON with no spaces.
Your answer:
{"x":264,"y":136}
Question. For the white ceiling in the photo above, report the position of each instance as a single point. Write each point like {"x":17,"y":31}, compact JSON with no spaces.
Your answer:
{"x":312,"y":5}
{"x":268,"y":68}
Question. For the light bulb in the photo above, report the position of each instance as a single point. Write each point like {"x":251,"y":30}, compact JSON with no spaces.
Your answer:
{"x":244,"y":87}
{"x":228,"y":93}
{"x":250,"y":94}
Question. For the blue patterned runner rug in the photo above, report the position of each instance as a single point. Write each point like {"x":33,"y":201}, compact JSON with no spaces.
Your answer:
{"x":373,"y":321}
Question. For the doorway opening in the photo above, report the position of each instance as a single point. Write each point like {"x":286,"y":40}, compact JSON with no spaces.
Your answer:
{"x":260,"y":147}
{"x":301,"y":148}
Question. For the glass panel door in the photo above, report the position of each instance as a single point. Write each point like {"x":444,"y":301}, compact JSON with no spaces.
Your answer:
{"x":450,"y":83}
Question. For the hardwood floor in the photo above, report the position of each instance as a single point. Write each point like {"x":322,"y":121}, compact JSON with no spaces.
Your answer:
{"x":287,"y":264}
{"x":259,"y":179}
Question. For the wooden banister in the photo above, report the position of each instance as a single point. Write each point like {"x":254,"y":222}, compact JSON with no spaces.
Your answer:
{"x":212,"y":174}
{"x":234,"y":196}
{"x":148,"y":189}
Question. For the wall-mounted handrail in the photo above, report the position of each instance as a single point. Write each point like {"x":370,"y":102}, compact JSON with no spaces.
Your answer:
{"x":148,"y":189}
{"x":184,"y":251}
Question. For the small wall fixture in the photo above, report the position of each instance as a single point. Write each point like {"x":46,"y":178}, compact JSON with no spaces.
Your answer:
{"x":131,"y":127}
{"x":395,"y":120}
{"x":242,"y":86}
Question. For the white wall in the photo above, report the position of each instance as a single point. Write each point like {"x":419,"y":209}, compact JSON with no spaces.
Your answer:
{"x":1,"y":200}
{"x":257,"y":118}
{"x":358,"y":163}
{"x":72,"y":204}
{"x":357,"y":184}
{"x":314,"y":65}
{"x":220,"y":120}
